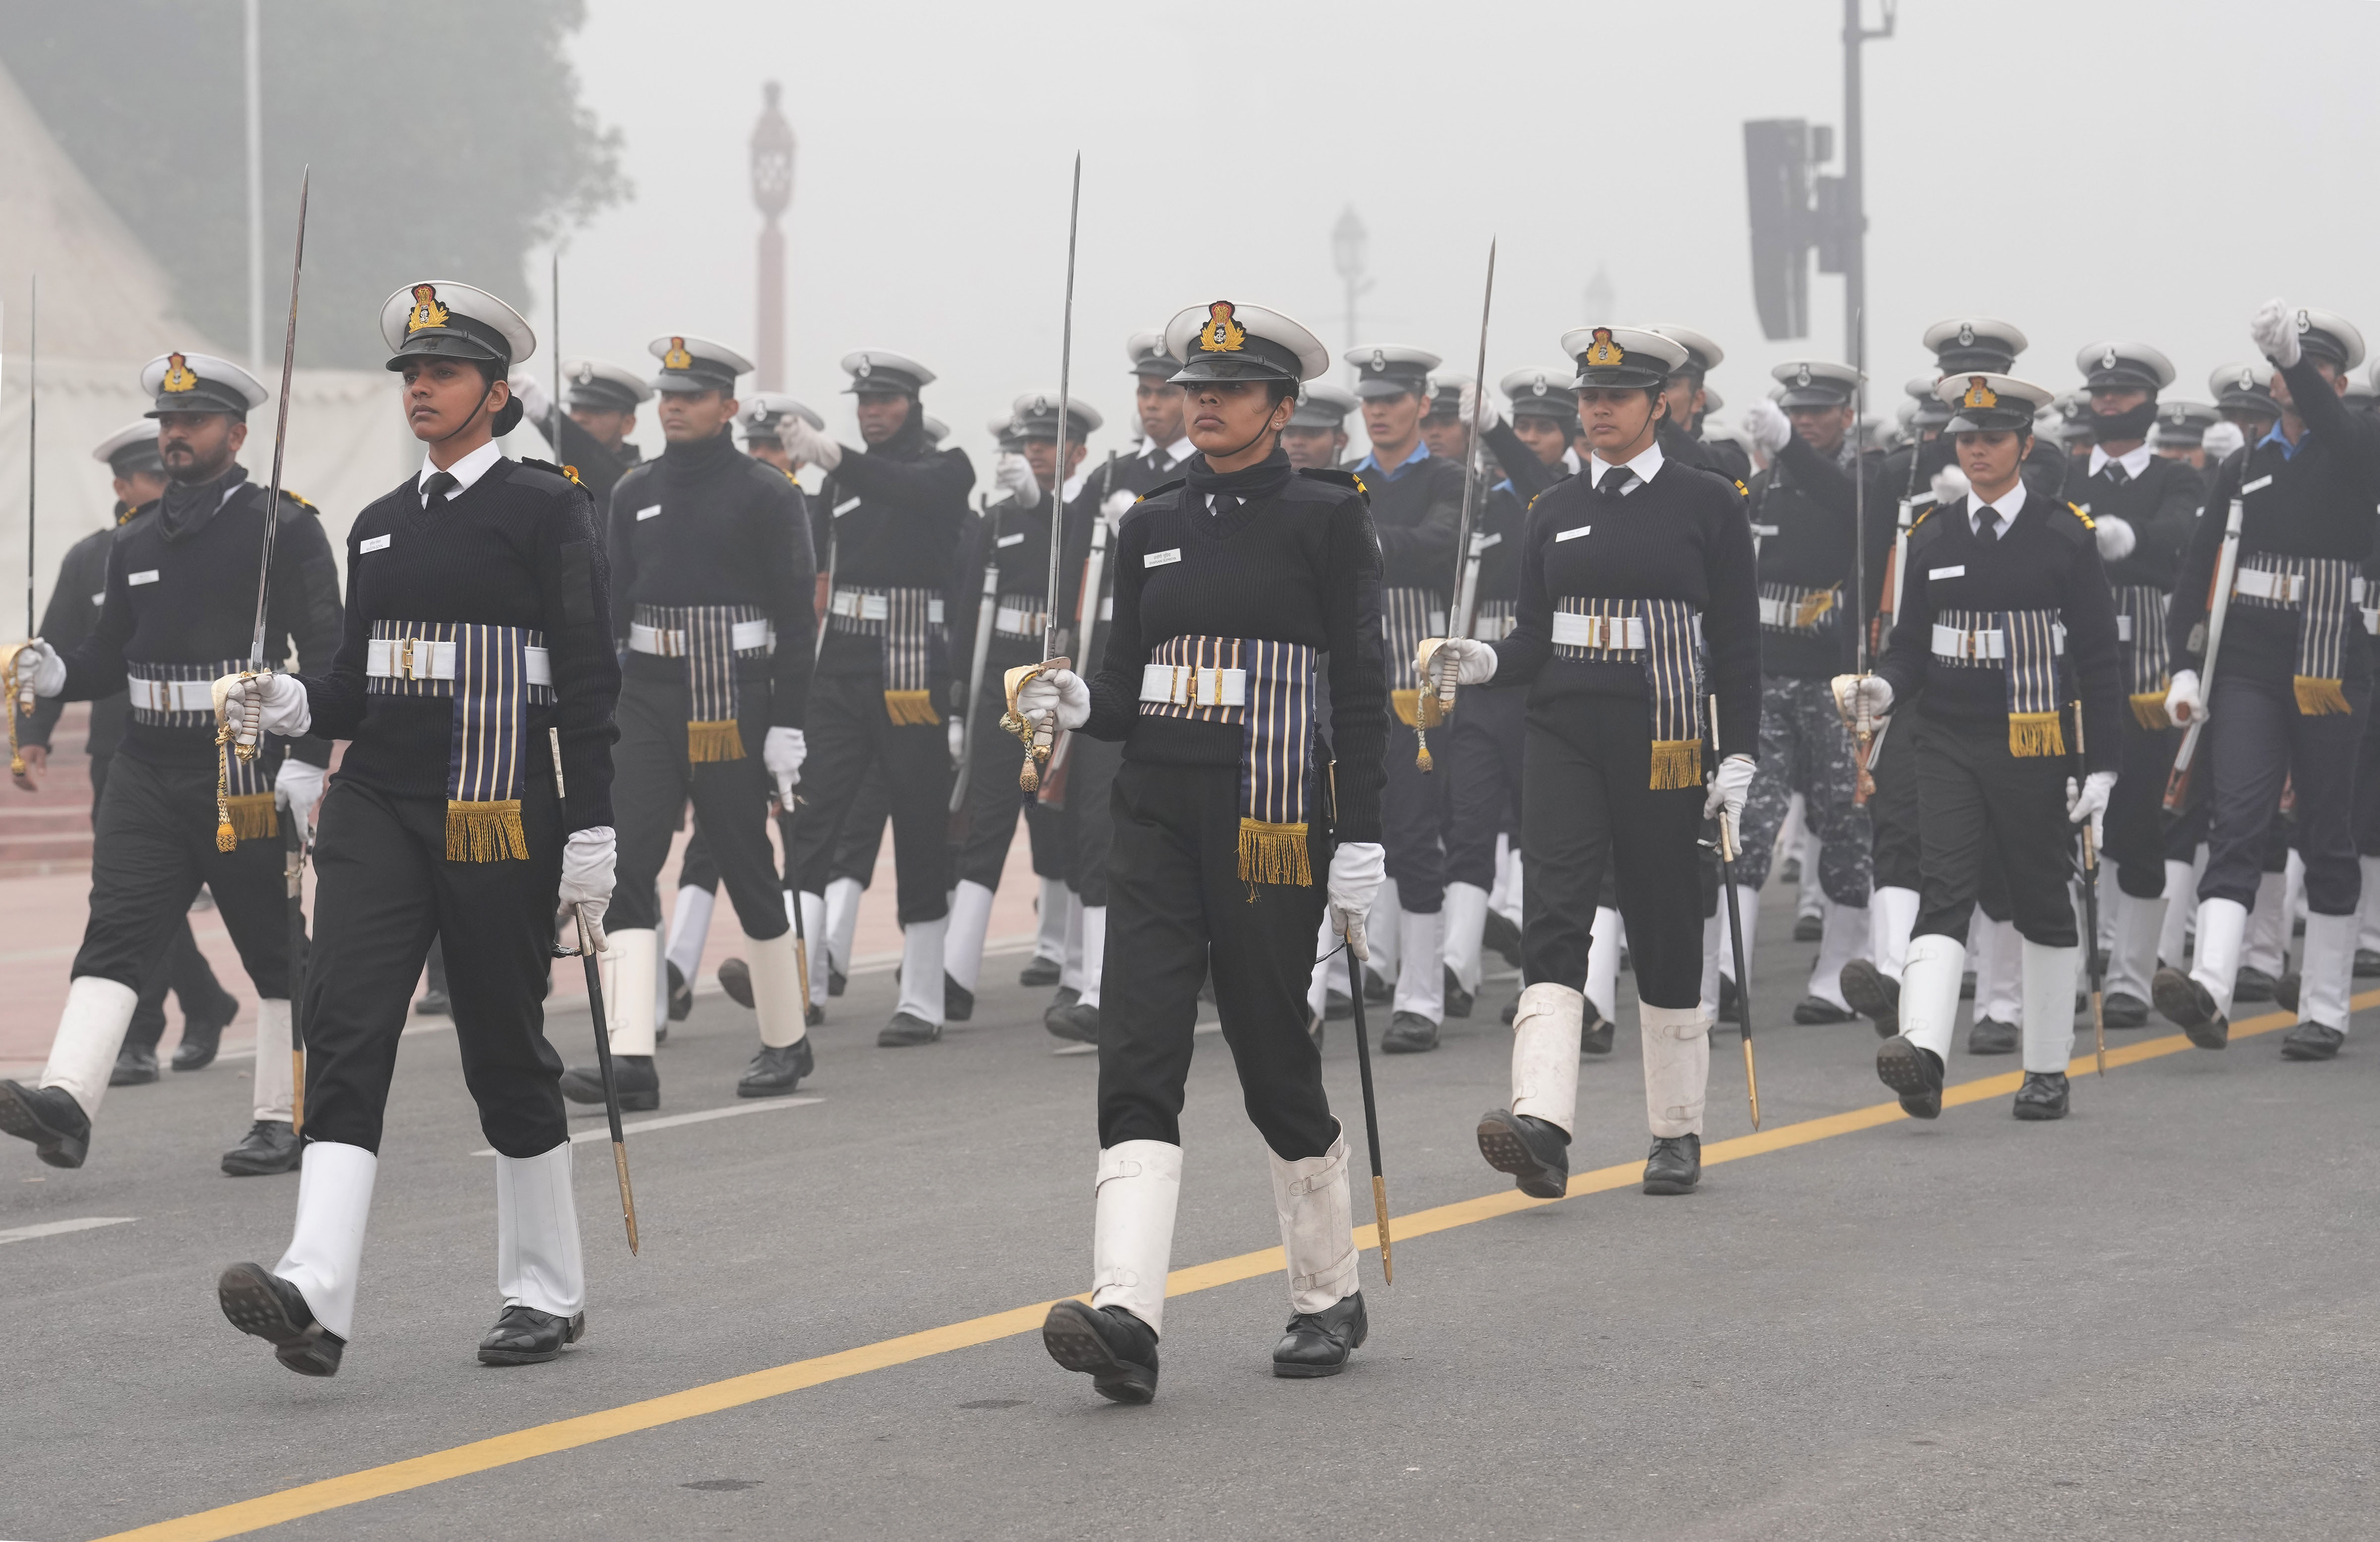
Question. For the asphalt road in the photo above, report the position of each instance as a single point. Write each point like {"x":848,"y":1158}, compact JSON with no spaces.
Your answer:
{"x":2151,"y":1320}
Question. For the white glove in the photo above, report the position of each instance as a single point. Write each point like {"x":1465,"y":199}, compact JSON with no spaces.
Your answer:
{"x":1863,"y":697}
{"x":2090,"y":802}
{"x":2181,"y":700}
{"x":1012,"y":474}
{"x":1118,"y":504}
{"x":1357,"y":869}
{"x":1475,"y":662}
{"x":807,"y":445}
{"x":1061,"y":689}
{"x":1766,"y":425}
{"x":535,"y":404}
{"x":298,"y":786}
{"x":48,"y":669}
{"x":2116,"y":538}
{"x":783,"y":752}
{"x":1730,"y":786}
{"x":2222,"y":440}
{"x":1481,"y":415}
{"x":957,"y":738}
{"x":2275,"y":328}
{"x":287,"y":710}
{"x":1950,"y":485}
{"x":587,"y":866}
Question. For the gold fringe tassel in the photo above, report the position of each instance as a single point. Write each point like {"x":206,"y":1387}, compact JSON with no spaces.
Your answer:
{"x":485,"y":832}
{"x":1274,"y":854}
{"x":2033,"y":734}
{"x":906,"y":707}
{"x":710,"y":742}
{"x":250,"y":817}
{"x":1408,"y":705}
{"x":1812,"y":607}
{"x":1676,"y":763}
{"x":2321,"y":697}
{"x":2148,"y":710}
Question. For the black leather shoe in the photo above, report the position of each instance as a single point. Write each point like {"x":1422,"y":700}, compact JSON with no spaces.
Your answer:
{"x":958,"y":1002}
{"x":2285,"y":991}
{"x":775,"y":1071}
{"x":1458,"y":1000}
{"x":271,"y":1147}
{"x":1674,"y":1165}
{"x":2252,"y":984}
{"x":1989,"y":1035}
{"x":1317,"y":1343}
{"x":681,"y":992}
{"x":1536,"y":1154}
{"x":1067,"y":996}
{"x":736,"y":979}
{"x":812,"y":1015}
{"x":835,"y":980}
{"x":1512,"y":1010}
{"x":1726,"y":999}
{"x":1594,"y":1038}
{"x":1409,"y":1034}
{"x":269,"y":1307}
{"x":524,"y":1336}
{"x":1914,"y":1073}
{"x":638,"y":1084}
{"x":1337,"y":1007}
{"x":1967,"y":986}
{"x":1791,"y":872}
{"x":1037,"y":971}
{"x":2367,"y":962}
{"x":202,"y":1034}
{"x":1377,"y":990}
{"x":2311,"y":1041}
{"x":1814,"y":1009}
{"x":136,"y":1066}
{"x":1809,"y":928}
{"x":1873,"y":994}
{"x":433,"y":1003}
{"x":2189,"y":1006}
{"x":906,"y":1029}
{"x":2042,"y":1097}
{"x":49,"y":1117}
{"x":1504,"y":937}
{"x":1075,"y":1021}
{"x":2123,"y":1009}
{"x":1116,"y":1350}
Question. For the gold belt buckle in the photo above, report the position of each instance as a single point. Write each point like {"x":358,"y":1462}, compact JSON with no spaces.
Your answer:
{"x":405,"y":659}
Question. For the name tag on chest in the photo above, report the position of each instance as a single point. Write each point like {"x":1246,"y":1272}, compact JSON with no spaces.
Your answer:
{"x":2258,"y":485}
{"x":377,"y":544}
{"x":1574,"y":534}
{"x":100,"y":598}
{"x":1015,"y":540}
{"x":1159,"y":559}
{"x":1957,"y":570}
{"x":136,"y":580}
{"x":648,"y":511}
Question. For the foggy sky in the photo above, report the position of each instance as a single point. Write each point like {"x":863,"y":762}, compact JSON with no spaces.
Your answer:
{"x":2084,"y":168}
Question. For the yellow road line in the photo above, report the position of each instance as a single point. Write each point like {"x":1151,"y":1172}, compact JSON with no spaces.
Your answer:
{"x":479,"y":1456}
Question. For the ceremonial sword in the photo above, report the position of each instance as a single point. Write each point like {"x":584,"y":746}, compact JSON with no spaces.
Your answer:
{"x":983,"y":620}
{"x":19,"y":677}
{"x":1726,"y":849}
{"x":2091,"y":903}
{"x":250,"y":734}
{"x":2218,"y":605}
{"x":1431,"y":706}
{"x":1037,"y":735}
{"x":590,"y":949}
{"x":1053,"y":794}
{"x":1863,"y":732}
{"x":1363,"y":1072}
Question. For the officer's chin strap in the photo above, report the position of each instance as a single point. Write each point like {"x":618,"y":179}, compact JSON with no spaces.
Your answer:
{"x":1270,"y":427}
{"x":486,"y":390}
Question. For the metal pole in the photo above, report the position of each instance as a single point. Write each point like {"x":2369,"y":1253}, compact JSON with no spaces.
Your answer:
{"x":1854,"y":212}
{"x":255,"y":192}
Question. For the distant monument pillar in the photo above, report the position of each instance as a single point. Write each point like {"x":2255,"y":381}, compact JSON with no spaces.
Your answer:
{"x":773,"y":192}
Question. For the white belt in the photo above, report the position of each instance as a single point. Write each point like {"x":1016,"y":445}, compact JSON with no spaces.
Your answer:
{"x":2278,"y":588}
{"x":1609,"y":634}
{"x":2123,"y":629}
{"x":418,"y":658}
{"x":1180,"y":685}
{"x":1107,"y":609}
{"x":171,"y":695}
{"x":1781,"y":613}
{"x":1491,"y":629}
{"x":2371,"y":619}
{"x":1951,"y":642}
{"x":669,"y":641}
{"x":1019,"y":623}
{"x":856,"y":607}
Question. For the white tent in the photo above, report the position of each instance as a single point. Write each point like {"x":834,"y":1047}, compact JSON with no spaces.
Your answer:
{"x":106,"y":309}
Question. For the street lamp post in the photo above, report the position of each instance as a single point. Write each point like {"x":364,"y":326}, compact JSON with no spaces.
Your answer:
{"x":773,"y":192}
{"x":1348,"y":239}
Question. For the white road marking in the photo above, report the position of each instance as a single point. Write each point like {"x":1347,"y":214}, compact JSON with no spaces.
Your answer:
{"x":669,"y":1122}
{"x":58,"y":1228}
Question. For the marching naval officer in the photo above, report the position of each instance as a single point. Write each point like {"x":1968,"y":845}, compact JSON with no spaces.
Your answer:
{"x":590,"y":434}
{"x":478,"y":624}
{"x":1317,"y":434}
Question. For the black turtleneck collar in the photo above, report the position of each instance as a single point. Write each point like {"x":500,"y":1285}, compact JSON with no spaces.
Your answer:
{"x":1261,"y":481}
{"x":187,"y":506}
{"x":701,"y":458}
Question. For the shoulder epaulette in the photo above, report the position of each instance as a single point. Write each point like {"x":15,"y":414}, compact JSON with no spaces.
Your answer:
{"x":1920,"y":531}
{"x":1741,"y":491}
{"x":1336,"y":477}
{"x":2077,"y":530}
{"x":1163,"y":488}
{"x":300,"y":500}
{"x":566,"y":473}
{"x":2082,"y":514}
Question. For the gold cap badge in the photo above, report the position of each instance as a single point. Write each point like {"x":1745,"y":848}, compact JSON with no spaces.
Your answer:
{"x":677,"y":358}
{"x":178,"y":374}
{"x":426,"y":311}
{"x":1978,"y":394}
{"x":1603,"y":353}
{"x":1221,"y":334}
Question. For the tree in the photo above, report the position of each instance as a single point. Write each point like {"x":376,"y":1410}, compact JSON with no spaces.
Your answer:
{"x":446,"y":138}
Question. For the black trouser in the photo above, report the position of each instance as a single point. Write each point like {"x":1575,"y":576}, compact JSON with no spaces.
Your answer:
{"x":651,"y":783}
{"x":861,"y":838}
{"x":2367,"y":789}
{"x":183,"y":970}
{"x":1478,"y":756}
{"x":851,"y":742}
{"x":384,"y":889}
{"x":2258,"y":741}
{"x":1412,"y":825}
{"x":2137,"y":838}
{"x":992,"y":797}
{"x":1087,"y":823}
{"x":1588,"y":770}
{"x":696,"y":868}
{"x":1894,"y":851}
{"x":1177,"y":900}
{"x":1977,"y":803}
{"x":154,"y":844}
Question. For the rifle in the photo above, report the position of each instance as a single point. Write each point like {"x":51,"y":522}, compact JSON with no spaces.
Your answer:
{"x":1726,"y":849}
{"x":983,"y":620}
{"x":2091,"y":903}
{"x":1863,"y":732}
{"x":1037,"y":736}
{"x":590,"y":949}
{"x":1087,"y":622}
{"x":1431,"y":706}
{"x":1363,"y":1072}
{"x":2218,"y":607}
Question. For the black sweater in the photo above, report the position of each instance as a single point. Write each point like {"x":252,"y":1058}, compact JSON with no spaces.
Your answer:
{"x":1301,"y":566}
{"x":189,"y":596}
{"x":73,"y":611}
{"x":2048,"y":559}
{"x":1018,"y":542}
{"x":519,"y":547}
{"x":899,"y":519}
{"x":2316,"y":503}
{"x":1416,"y":512}
{"x":1803,"y":509}
{"x":1682,"y":536}
{"x":2161,"y":504}
{"x":704,"y":524}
